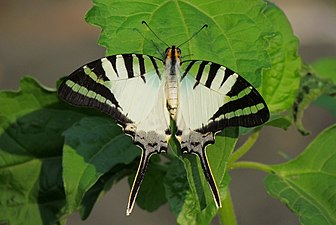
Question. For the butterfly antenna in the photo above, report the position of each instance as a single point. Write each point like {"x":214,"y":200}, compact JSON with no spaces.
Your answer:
{"x":144,"y":22}
{"x":192,"y":36}
{"x":155,"y":45}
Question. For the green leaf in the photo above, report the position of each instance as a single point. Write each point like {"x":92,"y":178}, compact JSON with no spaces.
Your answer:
{"x":328,"y":103}
{"x":193,"y":203}
{"x":307,"y":184}
{"x":280,"y":121}
{"x":103,"y":184}
{"x":280,"y":82}
{"x":176,"y":185}
{"x":32,"y":121}
{"x":315,"y":82}
{"x":326,"y":68}
{"x":92,"y":147}
{"x":246,"y":36}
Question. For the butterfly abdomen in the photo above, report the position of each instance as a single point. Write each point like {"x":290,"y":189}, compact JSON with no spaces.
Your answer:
{"x":172,"y":94}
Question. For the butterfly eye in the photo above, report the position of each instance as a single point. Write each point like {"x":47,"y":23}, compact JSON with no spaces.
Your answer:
{"x":167,"y":50}
{"x":178,"y":52}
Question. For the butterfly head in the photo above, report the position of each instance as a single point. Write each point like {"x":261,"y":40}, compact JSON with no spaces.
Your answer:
{"x":172,"y":55}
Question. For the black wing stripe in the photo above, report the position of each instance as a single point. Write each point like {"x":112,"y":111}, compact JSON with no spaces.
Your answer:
{"x":87,"y":82}
{"x":245,"y":121}
{"x":155,"y":66}
{"x":218,"y":122}
{"x":80,"y":78}
{"x":200,"y":73}
{"x":240,"y":85}
{"x":188,"y":68}
{"x":212,"y":73}
{"x":74,"y":98}
{"x":128,"y":60}
{"x":97,"y":68}
{"x":241,"y":103}
{"x":141,"y":64}
{"x":113,"y":61}
{"x":228,"y":73}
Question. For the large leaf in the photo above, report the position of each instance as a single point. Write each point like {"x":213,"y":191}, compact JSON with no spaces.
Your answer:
{"x":31,"y":124}
{"x":103,"y":184}
{"x":307,"y":184}
{"x":92,"y":147}
{"x":326,"y":68}
{"x":280,"y":82}
{"x":246,"y":36}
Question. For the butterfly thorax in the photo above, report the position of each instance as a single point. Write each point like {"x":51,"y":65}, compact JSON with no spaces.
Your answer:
{"x":172,"y":73}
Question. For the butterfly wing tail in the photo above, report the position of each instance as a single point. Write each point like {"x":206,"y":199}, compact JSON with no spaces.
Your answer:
{"x":195,"y":143}
{"x":145,"y":156}
{"x":209,"y":177}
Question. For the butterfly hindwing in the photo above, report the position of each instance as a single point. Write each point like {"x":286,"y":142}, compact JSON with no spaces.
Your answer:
{"x":128,"y":87}
{"x":213,"y":97}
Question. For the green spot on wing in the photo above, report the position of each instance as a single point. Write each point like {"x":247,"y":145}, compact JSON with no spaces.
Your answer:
{"x":76,"y":87}
{"x":70,"y":83}
{"x":87,"y":70}
{"x":91,"y":94}
{"x":238,"y":112}
{"x":254,"y":109}
{"x":100,"y":98}
{"x":229,"y":115}
{"x":247,"y":111}
{"x":248,"y":90}
{"x":83,"y":91}
{"x":244,"y":92}
{"x":234,"y":98}
{"x":108,"y":102}
{"x":260,"y":106}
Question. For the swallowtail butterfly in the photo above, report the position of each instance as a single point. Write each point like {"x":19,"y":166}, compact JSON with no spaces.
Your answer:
{"x":144,"y":93}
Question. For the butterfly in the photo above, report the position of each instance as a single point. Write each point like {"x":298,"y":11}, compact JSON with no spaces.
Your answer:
{"x":144,"y":93}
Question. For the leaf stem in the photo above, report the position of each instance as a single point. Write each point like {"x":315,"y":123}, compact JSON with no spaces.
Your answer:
{"x":251,"y":165}
{"x":245,"y":147}
{"x":226,"y":214}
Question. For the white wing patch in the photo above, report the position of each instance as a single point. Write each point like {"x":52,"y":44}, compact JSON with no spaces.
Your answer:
{"x":136,"y":97}
{"x":197,"y":106}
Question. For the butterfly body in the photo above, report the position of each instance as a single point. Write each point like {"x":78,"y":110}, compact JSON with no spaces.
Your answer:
{"x":143,"y":93}
{"x":172,"y":76}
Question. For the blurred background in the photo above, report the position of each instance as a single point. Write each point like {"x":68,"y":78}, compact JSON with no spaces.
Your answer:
{"x":49,"y":39}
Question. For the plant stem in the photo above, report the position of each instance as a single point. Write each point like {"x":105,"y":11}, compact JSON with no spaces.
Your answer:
{"x":226,"y":214}
{"x":244,"y":148}
{"x":251,"y":165}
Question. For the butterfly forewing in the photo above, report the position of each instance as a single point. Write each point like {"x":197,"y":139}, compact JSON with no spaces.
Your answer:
{"x":214,"y":97}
